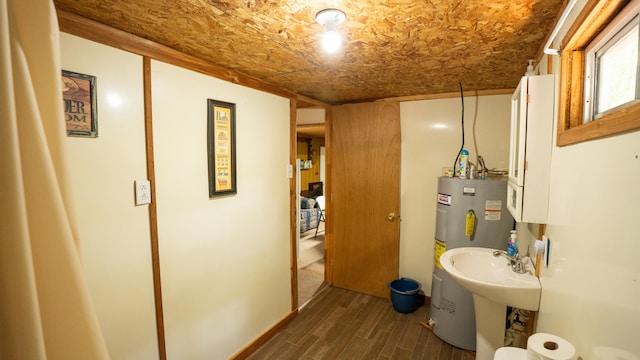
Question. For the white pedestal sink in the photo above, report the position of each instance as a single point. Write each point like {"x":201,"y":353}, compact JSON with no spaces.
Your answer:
{"x":494,"y":286}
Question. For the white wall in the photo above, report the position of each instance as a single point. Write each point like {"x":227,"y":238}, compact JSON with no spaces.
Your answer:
{"x":431,"y":139}
{"x":310,"y":116}
{"x":225,"y":261}
{"x":114,"y":233}
{"x":591,"y":289}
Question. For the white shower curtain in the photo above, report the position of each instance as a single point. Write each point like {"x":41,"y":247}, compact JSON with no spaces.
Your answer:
{"x":45,"y":309}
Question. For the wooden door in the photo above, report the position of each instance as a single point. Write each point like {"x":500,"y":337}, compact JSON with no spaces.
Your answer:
{"x":365,"y":194}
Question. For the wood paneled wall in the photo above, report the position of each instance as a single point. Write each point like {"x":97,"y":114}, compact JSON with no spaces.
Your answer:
{"x":309,"y":175}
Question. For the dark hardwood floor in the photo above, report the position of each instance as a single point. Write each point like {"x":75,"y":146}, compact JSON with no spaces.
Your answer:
{"x":341,"y":324}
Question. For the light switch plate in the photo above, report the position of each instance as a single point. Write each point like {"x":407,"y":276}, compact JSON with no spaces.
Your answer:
{"x":289,"y":171}
{"x":143,"y":192}
{"x":547,"y":249}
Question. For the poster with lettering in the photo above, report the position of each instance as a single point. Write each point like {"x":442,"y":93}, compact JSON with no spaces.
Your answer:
{"x":79,"y":100}
{"x":221,"y":148}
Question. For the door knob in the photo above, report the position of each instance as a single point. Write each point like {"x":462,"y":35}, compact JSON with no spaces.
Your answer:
{"x":391,"y":216}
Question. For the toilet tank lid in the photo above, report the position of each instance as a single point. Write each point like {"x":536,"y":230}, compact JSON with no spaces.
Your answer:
{"x":510,"y":353}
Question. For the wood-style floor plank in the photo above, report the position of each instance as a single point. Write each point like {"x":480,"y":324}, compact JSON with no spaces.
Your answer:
{"x":342,"y":324}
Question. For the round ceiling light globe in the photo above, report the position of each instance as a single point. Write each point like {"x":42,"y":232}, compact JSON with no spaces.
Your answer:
{"x":331,"y":41}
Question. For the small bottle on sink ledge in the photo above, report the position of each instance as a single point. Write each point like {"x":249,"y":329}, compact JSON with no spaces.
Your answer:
{"x":512,"y":244}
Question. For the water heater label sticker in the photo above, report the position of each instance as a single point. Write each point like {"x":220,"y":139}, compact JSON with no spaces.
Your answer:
{"x":449,"y":305}
{"x":493,"y":210}
{"x":469,"y":191}
{"x":444,"y":199}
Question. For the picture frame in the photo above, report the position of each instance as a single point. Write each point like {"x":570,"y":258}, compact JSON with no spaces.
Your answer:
{"x":221,"y":145}
{"x":80,"y":104}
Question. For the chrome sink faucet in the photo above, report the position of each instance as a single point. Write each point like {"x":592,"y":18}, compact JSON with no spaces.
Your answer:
{"x":515,"y":261}
{"x":483,"y":167}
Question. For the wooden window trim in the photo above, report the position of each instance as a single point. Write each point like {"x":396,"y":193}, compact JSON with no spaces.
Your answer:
{"x":594,"y":17}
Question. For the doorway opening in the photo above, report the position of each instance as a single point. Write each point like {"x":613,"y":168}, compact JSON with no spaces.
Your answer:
{"x":311,"y":183}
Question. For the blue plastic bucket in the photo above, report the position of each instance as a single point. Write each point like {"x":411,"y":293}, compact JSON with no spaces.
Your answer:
{"x":404,"y":295}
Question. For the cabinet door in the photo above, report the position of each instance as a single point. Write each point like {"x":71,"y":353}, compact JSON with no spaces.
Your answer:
{"x":539,"y":146}
{"x":518,"y":132}
{"x":514,"y":201}
{"x":532,"y":113}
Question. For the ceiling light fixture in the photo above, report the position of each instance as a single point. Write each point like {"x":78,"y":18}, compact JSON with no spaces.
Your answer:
{"x":330,"y":18}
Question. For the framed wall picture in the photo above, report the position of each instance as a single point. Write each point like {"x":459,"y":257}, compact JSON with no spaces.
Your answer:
{"x":221,"y":139}
{"x":80,"y":104}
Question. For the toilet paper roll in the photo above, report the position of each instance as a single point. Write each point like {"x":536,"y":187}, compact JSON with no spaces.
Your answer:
{"x":543,"y":346}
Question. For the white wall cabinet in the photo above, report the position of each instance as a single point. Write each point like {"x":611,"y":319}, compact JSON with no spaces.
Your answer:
{"x":532,"y":111}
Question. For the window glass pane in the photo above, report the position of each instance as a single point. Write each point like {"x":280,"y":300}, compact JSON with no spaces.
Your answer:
{"x":617,"y":72}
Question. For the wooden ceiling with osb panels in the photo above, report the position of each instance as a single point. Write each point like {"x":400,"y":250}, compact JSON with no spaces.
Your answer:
{"x":392,"y":48}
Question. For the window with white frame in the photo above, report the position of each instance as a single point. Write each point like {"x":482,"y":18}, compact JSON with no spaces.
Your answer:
{"x":612,"y":67}
{"x":600,"y":72}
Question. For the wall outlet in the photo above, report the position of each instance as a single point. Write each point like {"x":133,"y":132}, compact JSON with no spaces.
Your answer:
{"x":143,"y":192}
